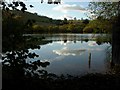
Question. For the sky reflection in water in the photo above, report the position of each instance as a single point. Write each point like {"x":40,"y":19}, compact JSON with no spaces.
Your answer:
{"x":73,"y":57}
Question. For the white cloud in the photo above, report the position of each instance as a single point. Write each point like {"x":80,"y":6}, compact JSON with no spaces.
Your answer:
{"x":66,"y":52}
{"x":67,"y":7}
{"x":61,"y":17}
{"x":92,"y":43}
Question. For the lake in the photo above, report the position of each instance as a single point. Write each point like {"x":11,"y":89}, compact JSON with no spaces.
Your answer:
{"x":74,"y":54}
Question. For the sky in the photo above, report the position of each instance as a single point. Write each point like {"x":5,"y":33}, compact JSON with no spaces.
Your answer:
{"x":67,"y":9}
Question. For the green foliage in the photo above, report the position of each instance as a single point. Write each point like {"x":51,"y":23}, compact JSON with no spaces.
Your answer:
{"x":65,"y":28}
{"x":88,"y":29}
{"x":38,"y":28}
{"x":86,"y":21}
{"x":65,"y":21}
{"x":105,"y":9}
{"x":12,"y":24}
{"x":71,"y":27}
{"x":98,"y":26}
{"x":40,"y":20}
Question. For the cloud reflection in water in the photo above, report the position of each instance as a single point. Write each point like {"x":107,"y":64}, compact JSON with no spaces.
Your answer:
{"x":66,"y":52}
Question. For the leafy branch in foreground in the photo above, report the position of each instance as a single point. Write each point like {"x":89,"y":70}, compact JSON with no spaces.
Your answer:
{"x":17,"y":64}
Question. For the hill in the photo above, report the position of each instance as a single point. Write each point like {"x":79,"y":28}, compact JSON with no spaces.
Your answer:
{"x":40,"y":20}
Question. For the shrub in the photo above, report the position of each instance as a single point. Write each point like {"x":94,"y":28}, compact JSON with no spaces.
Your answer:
{"x":88,"y":29}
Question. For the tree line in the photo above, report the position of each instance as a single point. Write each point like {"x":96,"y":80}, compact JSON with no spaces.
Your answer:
{"x":17,"y":24}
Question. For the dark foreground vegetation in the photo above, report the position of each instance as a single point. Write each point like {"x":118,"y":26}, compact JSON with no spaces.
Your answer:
{"x":18,"y":74}
{"x":90,"y":81}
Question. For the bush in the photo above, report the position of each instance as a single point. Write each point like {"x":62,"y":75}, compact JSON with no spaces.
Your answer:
{"x":88,"y":29}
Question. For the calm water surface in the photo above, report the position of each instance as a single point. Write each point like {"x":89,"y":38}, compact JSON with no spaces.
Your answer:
{"x":73,"y":54}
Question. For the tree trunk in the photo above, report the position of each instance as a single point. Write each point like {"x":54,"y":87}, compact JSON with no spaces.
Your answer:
{"x":116,"y":42}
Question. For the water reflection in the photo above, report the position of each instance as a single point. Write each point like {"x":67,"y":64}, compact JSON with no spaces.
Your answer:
{"x":92,"y":43}
{"x":73,"y":53}
{"x":65,"y":51}
{"x":89,"y":60}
